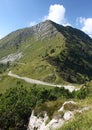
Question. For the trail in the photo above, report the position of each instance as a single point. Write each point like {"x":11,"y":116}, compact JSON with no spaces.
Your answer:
{"x":33,"y":81}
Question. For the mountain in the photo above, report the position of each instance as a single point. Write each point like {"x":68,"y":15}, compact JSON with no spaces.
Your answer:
{"x":59,"y":56}
{"x":49,"y":52}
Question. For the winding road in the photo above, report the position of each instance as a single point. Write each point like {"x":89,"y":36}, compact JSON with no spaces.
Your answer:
{"x":33,"y":81}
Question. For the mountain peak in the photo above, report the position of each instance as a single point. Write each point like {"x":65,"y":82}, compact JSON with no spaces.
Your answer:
{"x":67,"y":49}
{"x":45,"y":29}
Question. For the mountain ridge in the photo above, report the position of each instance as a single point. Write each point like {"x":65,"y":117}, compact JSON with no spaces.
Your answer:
{"x":65,"y":51}
{"x":44,"y":26}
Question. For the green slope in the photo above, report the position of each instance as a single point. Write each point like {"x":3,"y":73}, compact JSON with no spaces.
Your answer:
{"x":50,"y":52}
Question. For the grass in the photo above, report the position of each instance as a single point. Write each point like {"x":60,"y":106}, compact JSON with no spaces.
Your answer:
{"x":35,"y":52}
{"x":35,"y":66}
{"x":80,"y":122}
{"x":71,"y":43}
{"x":7,"y":82}
{"x":50,"y":107}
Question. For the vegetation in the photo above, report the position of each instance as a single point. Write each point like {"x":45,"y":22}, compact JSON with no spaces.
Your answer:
{"x":81,"y":122}
{"x":74,"y":62}
{"x":17,"y":103}
{"x":3,"y":67}
{"x":55,"y":54}
{"x":62,"y":54}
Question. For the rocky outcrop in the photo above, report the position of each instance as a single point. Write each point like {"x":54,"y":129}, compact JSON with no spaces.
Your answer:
{"x":40,"y":31}
{"x":44,"y":30}
{"x":37,"y":123}
{"x":67,"y":104}
{"x":68,"y":109}
{"x":11,"y":58}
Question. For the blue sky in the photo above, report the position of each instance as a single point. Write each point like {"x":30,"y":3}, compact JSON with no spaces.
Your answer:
{"x":16,"y":14}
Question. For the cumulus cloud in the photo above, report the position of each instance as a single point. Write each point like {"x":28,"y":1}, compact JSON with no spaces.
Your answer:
{"x":57,"y":14}
{"x":32,"y":23}
{"x":86,"y":25}
{"x":87,"y":28}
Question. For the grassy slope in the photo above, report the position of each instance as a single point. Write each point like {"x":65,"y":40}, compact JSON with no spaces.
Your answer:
{"x":33,"y":58}
{"x":74,"y":62}
{"x":81,"y":121}
{"x":66,"y":55}
{"x":35,"y":66}
{"x":7,"y":82}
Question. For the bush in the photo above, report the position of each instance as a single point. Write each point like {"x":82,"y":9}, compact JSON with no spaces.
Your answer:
{"x":82,"y":93}
{"x":15,"y":108}
{"x":16,"y":104}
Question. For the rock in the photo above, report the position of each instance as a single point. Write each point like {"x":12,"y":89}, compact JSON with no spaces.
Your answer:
{"x":39,"y":123}
{"x":67,"y":103}
{"x":11,"y":58}
{"x":68,"y":115}
{"x":55,"y":124}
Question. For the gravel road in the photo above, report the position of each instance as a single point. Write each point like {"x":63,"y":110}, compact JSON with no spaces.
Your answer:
{"x":33,"y":81}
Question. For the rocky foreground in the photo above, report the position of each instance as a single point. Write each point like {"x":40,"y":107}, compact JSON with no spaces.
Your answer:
{"x":63,"y":115}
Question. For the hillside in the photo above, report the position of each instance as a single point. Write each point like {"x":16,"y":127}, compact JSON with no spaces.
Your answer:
{"x":49,"y":52}
{"x":38,"y":68}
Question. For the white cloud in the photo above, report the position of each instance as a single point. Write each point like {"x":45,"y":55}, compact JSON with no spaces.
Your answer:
{"x":57,"y":14}
{"x":86,"y":25}
{"x":80,"y":20}
{"x":32,"y":23}
{"x":87,"y":28}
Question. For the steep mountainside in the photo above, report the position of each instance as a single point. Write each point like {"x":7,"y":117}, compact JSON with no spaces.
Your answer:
{"x":54,"y":54}
{"x":50,"y":52}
